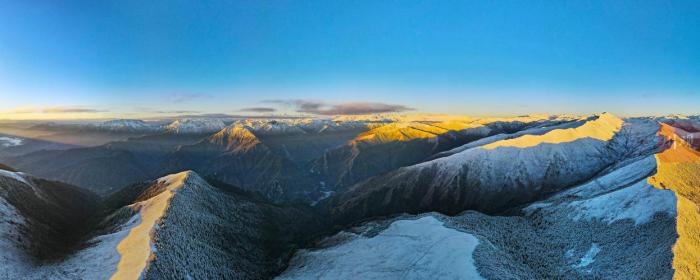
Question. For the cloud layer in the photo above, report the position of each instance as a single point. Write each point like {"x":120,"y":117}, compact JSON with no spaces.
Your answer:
{"x":182,"y":97}
{"x":258,"y":109}
{"x":346,"y":108}
{"x":53,"y":110}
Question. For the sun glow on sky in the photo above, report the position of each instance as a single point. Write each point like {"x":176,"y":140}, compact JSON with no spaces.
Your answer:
{"x":131,"y":60}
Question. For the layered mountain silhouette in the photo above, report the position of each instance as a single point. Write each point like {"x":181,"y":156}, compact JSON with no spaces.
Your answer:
{"x":535,"y":197}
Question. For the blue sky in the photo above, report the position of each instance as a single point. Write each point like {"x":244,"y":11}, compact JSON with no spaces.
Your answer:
{"x":123,"y":58}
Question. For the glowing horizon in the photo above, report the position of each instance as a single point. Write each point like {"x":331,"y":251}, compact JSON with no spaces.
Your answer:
{"x":129,"y":60}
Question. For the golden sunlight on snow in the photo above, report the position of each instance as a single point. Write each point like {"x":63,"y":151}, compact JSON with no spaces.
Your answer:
{"x":135,"y":249}
{"x":603,"y":128}
{"x":406,"y":131}
{"x":678,"y":169}
{"x":410,"y":127}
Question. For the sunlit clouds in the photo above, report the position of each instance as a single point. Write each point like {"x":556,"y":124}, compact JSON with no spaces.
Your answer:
{"x":317,"y":107}
{"x":57,"y":112}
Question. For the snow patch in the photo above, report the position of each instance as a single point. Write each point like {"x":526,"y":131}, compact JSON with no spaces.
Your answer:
{"x":638,"y":202}
{"x":10,"y":141}
{"x":407,"y":249}
{"x":324,"y":195}
{"x":589,"y":257}
{"x":17,"y":176}
{"x":621,"y":177}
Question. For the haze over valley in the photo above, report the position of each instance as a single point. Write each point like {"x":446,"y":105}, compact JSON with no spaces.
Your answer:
{"x":325,"y":139}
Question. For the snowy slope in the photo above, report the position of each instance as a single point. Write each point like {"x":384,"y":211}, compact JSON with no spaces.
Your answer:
{"x":598,"y":229}
{"x":498,"y":175}
{"x":407,"y":249}
{"x":199,"y":125}
{"x":408,"y":141}
{"x":13,"y":261}
{"x":538,"y":130}
{"x":29,"y":209}
{"x":127,"y":125}
{"x":620,"y":195}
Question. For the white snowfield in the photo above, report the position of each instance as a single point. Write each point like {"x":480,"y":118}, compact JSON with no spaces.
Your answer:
{"x":619,"y":195}
{"x":127,"y":125}
{"x":10,"y":141}
{"x":184,"y":126}
{"x":407,"y":249}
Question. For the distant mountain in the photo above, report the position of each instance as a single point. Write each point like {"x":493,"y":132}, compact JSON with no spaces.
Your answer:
{"x":530,"y":197}
{"x":193,"y":126}
{"x":104,"y":168}
{"x":12,"y":146}
{"x":126,"y":125}
{"x":285,"y":159}
{"x":236,"y":156}
{"x":117,"y":126}
{"x":304,"y":140}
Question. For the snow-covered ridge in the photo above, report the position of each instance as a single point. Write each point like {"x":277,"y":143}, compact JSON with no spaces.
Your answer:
{"x":679,"y":170}
{"x":500,"y":137}
{"x":274,"y":127}
{"x":602,"y":128}
{"x":117,"y":125}
{"x":405,"y":131}
{"x":185,"y":126}
{"x":127,"y":125}
{"x":17,"y":176}
{"x":136,"y":249}
{"x":271,"y":127}
{"x":431,"y":126}
{"x":236,"y":137}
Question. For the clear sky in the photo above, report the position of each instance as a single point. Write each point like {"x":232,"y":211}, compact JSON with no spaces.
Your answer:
{"x":144,"y":58}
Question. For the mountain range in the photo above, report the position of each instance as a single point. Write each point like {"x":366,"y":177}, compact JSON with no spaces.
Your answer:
{"x":369,"y":197}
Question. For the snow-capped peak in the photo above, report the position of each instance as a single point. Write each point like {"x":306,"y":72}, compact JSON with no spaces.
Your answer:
{"x":125,"y":125}
{"x":198,"y":125}
{"x":236,"y":137}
